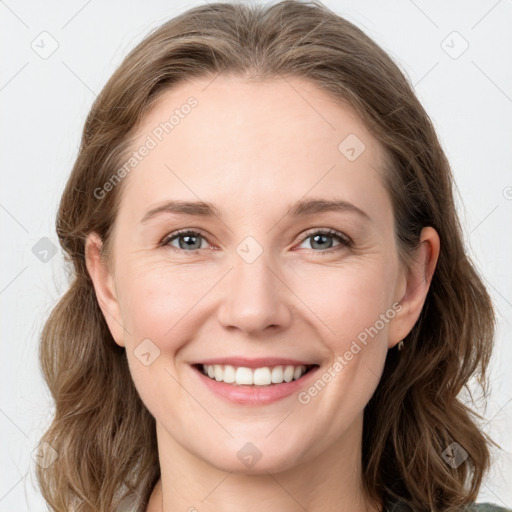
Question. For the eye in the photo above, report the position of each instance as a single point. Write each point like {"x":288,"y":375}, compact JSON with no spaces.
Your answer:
{"x":191,"y":241}
{"x":320,"y":239}
{"x":188,"y":241}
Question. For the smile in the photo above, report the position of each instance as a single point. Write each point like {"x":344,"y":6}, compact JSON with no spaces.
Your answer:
{"x":264,"y":376}
{"x":254,"y":386}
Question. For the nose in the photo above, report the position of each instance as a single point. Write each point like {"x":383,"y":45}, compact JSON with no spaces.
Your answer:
{"x":255,"y":299}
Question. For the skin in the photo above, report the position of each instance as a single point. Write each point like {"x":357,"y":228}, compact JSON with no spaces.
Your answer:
{"x":253,"y":148}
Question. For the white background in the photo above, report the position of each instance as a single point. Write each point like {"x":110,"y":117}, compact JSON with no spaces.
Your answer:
{"x":44,"y":103}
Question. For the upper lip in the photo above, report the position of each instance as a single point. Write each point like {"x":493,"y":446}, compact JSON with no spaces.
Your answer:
{"x":254,"y":363}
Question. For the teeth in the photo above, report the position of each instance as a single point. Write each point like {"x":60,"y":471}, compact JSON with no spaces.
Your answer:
{"x":258,"y":376}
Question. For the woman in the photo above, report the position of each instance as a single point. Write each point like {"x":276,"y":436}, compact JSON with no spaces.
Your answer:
{"x":271,"y":305}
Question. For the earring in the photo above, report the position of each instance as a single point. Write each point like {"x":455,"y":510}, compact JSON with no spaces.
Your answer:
{"x":401,"y":345}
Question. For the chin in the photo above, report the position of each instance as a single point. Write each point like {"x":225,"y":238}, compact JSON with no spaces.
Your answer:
{"x":256,"y":457}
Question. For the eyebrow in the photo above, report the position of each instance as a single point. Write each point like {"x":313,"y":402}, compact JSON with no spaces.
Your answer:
{"x":302,"y":208}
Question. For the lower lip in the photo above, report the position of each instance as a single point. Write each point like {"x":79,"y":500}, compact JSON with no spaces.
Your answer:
{"x":256,"y":395}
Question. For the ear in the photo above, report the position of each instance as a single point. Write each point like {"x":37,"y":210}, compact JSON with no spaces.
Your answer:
{"x":104,"y":287}
{"x":417,"y":283}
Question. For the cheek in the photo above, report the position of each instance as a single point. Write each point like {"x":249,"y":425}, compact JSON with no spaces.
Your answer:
{"x":348,"y":298}
{"x":354,"y":310}
{"x":156,"y":299}
{"x":157,"y":309}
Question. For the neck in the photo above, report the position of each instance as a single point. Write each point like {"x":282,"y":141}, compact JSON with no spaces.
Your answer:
{"x":329,"y":482}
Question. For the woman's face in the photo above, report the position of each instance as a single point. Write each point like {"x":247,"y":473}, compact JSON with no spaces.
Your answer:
{"x":259,"y":278}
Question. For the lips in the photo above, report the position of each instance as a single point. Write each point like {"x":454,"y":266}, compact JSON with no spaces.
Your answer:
{"x":254,"y":363}
{"x":254,"y":395}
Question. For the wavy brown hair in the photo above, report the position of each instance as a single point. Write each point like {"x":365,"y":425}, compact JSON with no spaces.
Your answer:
{"x":104,"y":435}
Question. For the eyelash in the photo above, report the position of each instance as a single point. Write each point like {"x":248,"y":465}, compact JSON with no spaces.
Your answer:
{"x":343,"y":239}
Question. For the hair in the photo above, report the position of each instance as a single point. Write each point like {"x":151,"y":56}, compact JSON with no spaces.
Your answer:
{"x":104,"y":435}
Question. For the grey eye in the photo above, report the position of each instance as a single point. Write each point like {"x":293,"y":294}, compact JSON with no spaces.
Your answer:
{"x":324,"y":240}
{"x":187,"y":241}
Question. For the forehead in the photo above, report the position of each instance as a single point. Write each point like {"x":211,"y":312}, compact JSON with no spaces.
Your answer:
{"x":253,"y":144}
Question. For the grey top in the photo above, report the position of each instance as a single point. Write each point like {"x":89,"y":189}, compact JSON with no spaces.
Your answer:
{"x":474,"y":507}
{"x":487,"y":507}
{"x":396,"y":507}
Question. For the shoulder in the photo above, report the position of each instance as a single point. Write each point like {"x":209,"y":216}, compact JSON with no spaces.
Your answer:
{"x":474,"y":507}
{"x":486,"y":507}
